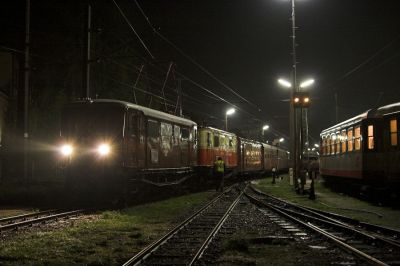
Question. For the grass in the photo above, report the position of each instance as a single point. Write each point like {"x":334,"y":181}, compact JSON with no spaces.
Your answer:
{"x":110,"y":239}
{"x":331,"y":201}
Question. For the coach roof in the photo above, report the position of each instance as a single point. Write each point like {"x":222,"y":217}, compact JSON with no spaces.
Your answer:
{"x":146,"y":111}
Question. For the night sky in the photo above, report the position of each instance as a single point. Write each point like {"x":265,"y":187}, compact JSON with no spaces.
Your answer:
{"x":351,"y":48}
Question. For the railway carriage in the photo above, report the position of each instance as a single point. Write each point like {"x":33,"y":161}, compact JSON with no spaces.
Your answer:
{"x":364,"y":148}
{"x":213,"y":143}
{"x":250,"y":154}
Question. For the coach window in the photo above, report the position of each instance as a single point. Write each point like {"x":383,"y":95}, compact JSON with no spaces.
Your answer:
{"x":328,"y":145}
{"x":230,"y":142}
{"x":216,"y":141}
{"x":357,"y":138}
{"x":350,"y":139}
{"x":343,"y":139}
{"x":371,"y":137}
{"x":209,"y":139}
{"x":333,"y":142}
{"x":338,"y":142}
{"x":393,"y":132}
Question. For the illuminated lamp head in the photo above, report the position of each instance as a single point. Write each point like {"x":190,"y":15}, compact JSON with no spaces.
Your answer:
{"x":296,"y":99}
{"x":103,"y":149}
{"x":66,"y":150}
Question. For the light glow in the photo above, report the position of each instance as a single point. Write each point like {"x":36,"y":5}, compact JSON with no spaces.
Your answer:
{"x":285,"y":83}
{"x":307,"y":83}
{"x":306,"y":100}
{"x":66,"y":150}
{"x":265,"y":127}
{"x":103,"y":149}
{"x":281,"y":140}
{"x":230,"y":111}
{"x":316,"y":145}
{"x":296,"y":100}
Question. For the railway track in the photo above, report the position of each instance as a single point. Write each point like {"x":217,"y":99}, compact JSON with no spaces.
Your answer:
{"x":185,"y":244}
{"x":373,"y":244}
{"x":15,"y":222}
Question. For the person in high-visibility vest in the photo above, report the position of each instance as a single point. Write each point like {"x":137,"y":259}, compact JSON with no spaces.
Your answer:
{"x":219,"y":171}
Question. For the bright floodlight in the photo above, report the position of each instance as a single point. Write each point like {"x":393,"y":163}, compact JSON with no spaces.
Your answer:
{"x":66,"y":150}
{"x":103,"y":149}
{"x":281,"y":139}
{"x":265,"y":127}
{"x":307,"y":83}
{"x":230,"y":111}
{"x":285,"y":83}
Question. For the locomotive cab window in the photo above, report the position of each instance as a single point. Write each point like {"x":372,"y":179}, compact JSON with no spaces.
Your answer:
{"x":371,"y":137}
{"x":185,"y":134}
{"x":393,"y":132}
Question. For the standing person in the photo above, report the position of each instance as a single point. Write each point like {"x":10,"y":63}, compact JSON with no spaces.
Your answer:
{"x":219,"y":170}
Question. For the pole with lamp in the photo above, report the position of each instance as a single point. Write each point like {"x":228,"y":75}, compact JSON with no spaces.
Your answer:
{"x":228,"y":112}
{"x":296,"y":127}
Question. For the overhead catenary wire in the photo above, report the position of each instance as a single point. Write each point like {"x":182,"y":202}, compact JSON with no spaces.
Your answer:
{"x":130,"y":25}
{"x":191,"y":59}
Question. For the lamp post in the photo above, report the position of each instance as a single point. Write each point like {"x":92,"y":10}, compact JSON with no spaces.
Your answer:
{"x":296,"y":128}
{"x":228,"y":112}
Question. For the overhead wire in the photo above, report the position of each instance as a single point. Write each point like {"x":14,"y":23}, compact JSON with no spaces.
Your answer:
{"x":191,"y":59}
{"x":130,"y":25}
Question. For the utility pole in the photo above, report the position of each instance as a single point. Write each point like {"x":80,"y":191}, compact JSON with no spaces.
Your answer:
{"x":180,"y":96}
{"x":294,"y":135}
{"x":87,"y":58}
{"x":336,"y":109}
{"x":26,"y":89}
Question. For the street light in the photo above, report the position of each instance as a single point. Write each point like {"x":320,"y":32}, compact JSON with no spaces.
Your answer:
{"x":281,"y":140}
{"x":228,"y":112}
{"x":265,"y":127}
{"x":303,"y":84}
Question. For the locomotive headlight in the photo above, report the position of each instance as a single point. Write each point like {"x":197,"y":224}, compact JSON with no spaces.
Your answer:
{"x":103,"y":149}
{"x":66,"y":150}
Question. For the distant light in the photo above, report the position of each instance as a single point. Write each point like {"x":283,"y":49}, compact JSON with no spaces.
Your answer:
{"x":281,"y":140}
{"x":306,"y":100}
{"x":103,"y":149}
{"x":296,"y":100}
{"x":230,"y":111}
{"x":285,"y":83}
{"x":307,"y":83}
{"x":265,"y":127}
{"x":66,"y":150}
{"x":316,"y":145}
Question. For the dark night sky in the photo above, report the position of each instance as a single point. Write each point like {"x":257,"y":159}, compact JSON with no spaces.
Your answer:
{"x":246,"y":44}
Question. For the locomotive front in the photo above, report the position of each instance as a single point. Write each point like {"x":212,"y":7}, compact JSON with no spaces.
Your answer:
{"x":91,"y":142}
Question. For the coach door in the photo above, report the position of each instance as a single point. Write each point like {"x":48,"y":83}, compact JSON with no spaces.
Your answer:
{"x":134,"y":144}
{"x":131,"y":132}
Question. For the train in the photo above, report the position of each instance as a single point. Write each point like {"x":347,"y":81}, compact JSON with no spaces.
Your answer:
{"x":135,"y":144}
{"x":364,"y":150}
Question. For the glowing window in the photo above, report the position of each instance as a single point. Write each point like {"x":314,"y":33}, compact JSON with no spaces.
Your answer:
{"x":370,"y":137}
{"x":338,"y":142}
{"x":343,"y":139}
{"x":350,"y":139}
{"x":393,"y":132}
{"x":357,"y":138}
{"x":333,"y":142}
{"x":328,"y":145}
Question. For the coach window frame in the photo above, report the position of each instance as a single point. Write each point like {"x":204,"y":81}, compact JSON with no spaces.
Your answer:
{"x":338,"y":144}
{"x":393,"y":132}
{"x":350,"y":139}
{"x":357,"y":134}
{"x":343,"y":135}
